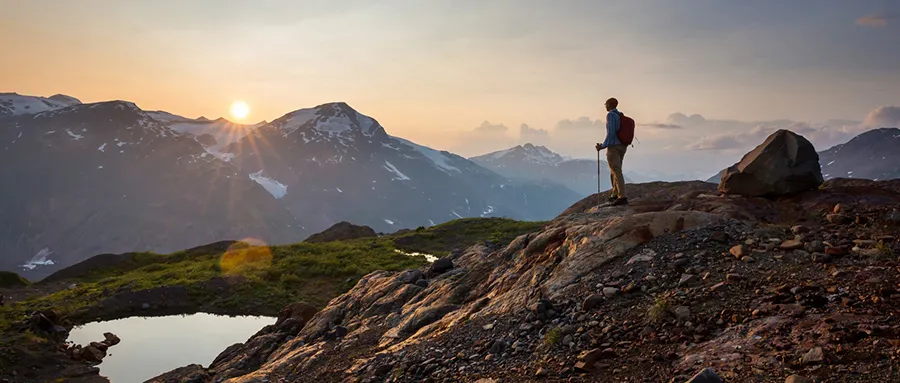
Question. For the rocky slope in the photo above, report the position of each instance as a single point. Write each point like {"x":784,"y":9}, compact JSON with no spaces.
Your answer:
{"x":681,"y":280}
{"x":331,"y":163}
{"x":873,"y":155}
{"x":87,"y":179}
{"x":539,"y":163}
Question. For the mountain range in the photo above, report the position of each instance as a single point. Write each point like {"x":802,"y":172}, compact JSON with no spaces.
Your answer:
{"x":537,"y":163}
{"x":109,"y":177}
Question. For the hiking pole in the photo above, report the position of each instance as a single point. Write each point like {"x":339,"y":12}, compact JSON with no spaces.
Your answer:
{"x":598,"y":178}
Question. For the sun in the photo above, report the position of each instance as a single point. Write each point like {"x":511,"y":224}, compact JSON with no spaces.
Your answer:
{"x":240,"y":110}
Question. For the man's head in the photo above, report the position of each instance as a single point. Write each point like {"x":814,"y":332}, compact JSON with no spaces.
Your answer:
{"x":611,"y":104}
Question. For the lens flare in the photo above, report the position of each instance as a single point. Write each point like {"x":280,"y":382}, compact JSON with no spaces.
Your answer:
{"x":247,"y":255}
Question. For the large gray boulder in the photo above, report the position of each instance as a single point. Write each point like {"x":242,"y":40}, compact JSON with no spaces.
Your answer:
{"x":786,"y":163}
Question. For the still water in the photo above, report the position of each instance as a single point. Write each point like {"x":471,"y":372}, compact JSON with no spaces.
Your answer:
{"x":153,"y":345}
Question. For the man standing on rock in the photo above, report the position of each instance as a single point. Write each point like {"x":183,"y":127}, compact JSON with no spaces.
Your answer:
{"x":615,"y":152}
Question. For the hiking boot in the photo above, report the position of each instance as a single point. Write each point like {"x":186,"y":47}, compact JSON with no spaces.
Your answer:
{"x":611,"y":199}
{"x":620,"y":202}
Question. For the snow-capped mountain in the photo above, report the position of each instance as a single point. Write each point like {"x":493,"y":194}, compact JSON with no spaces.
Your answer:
{"x":86,"y":179}
{"x":871,"y":155}
{"x":331,"y":163}
{"x":536,"y":163}
{"x":13,"y":104}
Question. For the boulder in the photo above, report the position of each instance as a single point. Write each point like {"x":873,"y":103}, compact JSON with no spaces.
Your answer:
{"x":111,"y":339}
{"x":92,"y":354}
{"x":813,"y":356}
{"x":786,"y":163}
{"x":441,"y":266}
{"x":706,"y":376}
{"x":299,"y":311}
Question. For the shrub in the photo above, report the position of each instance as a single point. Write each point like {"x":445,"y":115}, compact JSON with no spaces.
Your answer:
{"x":552,"y":337}
{"x":659,"y":310}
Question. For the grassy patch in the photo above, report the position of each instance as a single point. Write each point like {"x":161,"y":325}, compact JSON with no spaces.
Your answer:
{"x":441,"y":239}
{"x":10,"y":279}
{"x":261,"y":279}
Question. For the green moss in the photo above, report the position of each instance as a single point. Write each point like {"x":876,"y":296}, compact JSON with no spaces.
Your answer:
{"x":10,"y":279}
{"x":552,"y":337}
{"x":441,"y":239}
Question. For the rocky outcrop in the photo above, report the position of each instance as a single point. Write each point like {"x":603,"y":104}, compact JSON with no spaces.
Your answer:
{"x":786,"y":163}
{"x":342,"y":231}
{"x":650,"y":292}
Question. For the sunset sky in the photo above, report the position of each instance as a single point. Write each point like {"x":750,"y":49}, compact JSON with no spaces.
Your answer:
{"x":466,"y":75}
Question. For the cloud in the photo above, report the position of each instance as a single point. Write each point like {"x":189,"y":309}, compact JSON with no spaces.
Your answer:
{"x":487,"y":127}
{"x":661,"y":126}
{"x":883,"y":116}
{"x":681,"y":119}
{"x":749,"y":136}
{"x":875,"y":20}
{"x":579,"y":124}
{"x":717,"y":142}
{"x":528,"y":134}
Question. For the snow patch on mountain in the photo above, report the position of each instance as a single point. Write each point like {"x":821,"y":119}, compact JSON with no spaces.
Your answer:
{"x":39,"y":259}
{"x":399,"y":176}
{"x":275,"y":188}
{"x":438,"y":158}
{"x":73,"y":135}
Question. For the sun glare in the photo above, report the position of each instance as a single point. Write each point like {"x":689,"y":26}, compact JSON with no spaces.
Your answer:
{"x":240,"y":110}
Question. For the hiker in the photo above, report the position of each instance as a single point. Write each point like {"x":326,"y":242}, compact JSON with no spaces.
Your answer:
{"x":619,"y":133}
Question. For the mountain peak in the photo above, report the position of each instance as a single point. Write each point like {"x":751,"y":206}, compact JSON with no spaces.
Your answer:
{"x":329,"y":119}
{"x":13,"y":104}
{"x":64,"y":99}
{"x":525,"y":153}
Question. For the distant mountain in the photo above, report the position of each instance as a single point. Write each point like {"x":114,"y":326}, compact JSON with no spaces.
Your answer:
{"x":871,"y":155}
{"x":331,"y":163}
{"x":537,"y":163}
{"x":716,"y":178}
{"x":84,"y":179}
{"x":14,"y":104}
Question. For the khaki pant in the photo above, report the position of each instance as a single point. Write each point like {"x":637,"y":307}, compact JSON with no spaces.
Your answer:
{"x":614,"y":156}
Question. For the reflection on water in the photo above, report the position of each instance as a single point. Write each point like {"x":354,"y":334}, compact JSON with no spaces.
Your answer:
{"x":154,"y":345}
{"x":428,"y":257}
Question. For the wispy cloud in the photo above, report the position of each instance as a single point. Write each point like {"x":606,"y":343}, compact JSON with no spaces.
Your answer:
{"x":883,"y":117}
{"x":876,"y":20}
{"x":487,"y":127}
{"x":661,"y":126}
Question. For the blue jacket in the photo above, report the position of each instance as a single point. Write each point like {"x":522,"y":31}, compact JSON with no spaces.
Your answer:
{"x":613,"y":121}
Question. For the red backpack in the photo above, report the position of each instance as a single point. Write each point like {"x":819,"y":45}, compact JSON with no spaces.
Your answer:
{"x":626,"y":129}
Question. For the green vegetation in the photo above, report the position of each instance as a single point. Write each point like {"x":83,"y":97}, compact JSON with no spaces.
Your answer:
{"x":441,"y":239}
{"x":552,"y":337}
{"x":659,"y":310}
{"x":884,"y":250}
{"x":10,"y":279}
{"x":244,"y":278}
